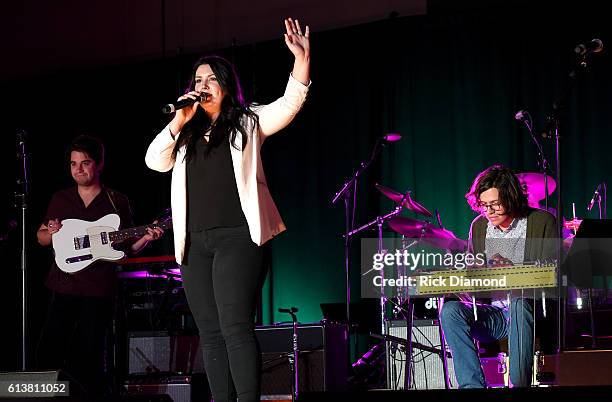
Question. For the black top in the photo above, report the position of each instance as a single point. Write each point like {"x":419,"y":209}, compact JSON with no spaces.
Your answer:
{"x":212,"y":194}
{"x":97,"y":279}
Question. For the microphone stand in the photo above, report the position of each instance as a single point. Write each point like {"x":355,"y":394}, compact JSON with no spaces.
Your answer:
{"x":21,"y":201}
{"x":602,"y":215}
{"x":603,"y":212}
{"x":542,"y":160}
{"x":348,"y":191}
{"x":293,"y":356}
{"x":553,"y":131}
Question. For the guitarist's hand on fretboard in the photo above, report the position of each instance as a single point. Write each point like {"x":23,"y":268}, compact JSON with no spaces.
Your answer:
{"x":154,"y":232}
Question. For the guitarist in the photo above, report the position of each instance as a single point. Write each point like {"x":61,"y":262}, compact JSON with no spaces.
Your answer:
{"x":81,"y":304}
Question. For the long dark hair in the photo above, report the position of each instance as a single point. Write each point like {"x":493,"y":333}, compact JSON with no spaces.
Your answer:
{"x":232,"y":119}
{"x":511,"y":194}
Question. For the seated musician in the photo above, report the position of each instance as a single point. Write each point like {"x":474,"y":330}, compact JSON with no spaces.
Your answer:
{"x":508,"y":232}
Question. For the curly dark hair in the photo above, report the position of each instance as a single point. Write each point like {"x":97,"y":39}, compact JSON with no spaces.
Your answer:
{"x":89,"y":145}
{"x":511,"y":194}
{"x":234,"y":111}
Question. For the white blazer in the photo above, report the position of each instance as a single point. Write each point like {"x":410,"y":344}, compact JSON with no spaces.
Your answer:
{"x":261,"y":214}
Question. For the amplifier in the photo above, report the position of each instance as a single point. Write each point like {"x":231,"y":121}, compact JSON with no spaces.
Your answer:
{"x":322,"y":361}
{"x":151,"y":352}
{"x":573,"y":368}
{"x":427,"y":367}
{"x":186,"y":388}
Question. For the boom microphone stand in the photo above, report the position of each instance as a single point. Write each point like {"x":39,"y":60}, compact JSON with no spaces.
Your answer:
{"x":21,"y":201}
{"x":525,"y":117}
{"x":553,"y":130}
{"x":348,"y":191}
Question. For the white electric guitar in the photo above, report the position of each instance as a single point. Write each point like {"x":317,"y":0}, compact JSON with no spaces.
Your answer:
{"x":79,"y":243}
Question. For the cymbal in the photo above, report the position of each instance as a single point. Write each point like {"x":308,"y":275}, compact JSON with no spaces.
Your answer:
{"x":533,"y":185}
{"x":408,"y":203}
{"x":408,"y":226}
{"x":437,"y":237}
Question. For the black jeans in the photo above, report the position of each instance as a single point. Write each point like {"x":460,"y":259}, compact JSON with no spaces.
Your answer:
{"x":73,"y":339}
{"x":222,"y":277}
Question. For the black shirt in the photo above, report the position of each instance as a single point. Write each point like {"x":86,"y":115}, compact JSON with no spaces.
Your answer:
{"x":97,"y":279}
{"x":212,"y":194}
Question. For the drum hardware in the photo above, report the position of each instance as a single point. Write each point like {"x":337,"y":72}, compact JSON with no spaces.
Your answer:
{"x":537,"y":187}
{"x":405,"y":200}
{"x":418,"y":231}
{"x":426,"y":232}
{"x":402,"y":200}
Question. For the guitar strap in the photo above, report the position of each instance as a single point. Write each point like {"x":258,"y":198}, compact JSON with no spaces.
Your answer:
{"x":110,"y":194}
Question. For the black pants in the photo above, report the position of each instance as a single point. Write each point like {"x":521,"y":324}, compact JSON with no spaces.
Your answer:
{"x":73,"y":339}
{"x":222,"y":277}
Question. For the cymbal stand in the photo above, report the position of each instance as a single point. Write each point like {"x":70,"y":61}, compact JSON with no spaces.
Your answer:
{"x":378,"y":221}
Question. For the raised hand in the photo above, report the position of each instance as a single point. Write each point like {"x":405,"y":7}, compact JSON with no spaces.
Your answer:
{"x":297,"y":41}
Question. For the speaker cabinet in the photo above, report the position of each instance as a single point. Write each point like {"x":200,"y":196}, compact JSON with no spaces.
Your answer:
{"x":322,"y":361}
{"x":187,"y":388}
{"x":427,"y":367}
{"x":159,"y":351}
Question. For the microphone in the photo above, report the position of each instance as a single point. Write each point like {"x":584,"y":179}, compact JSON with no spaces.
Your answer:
{"x":392,"y":137}
{"x":595,"y":198}
{"x":173,"y":107}
{"x":594,"y":46}
{"x":524,"y":117}
{"x":20,"y":142}
{"x":521,"y":115}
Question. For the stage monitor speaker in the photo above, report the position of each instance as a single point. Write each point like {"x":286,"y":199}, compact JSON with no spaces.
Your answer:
{"x":322,"y":361}
{"x":37,"y":384}
{"x":427,"y":367}
{"x":161,"y":352}
{"x":186,"y":388}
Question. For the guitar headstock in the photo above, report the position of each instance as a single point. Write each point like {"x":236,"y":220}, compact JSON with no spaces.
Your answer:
{"x":165,"y":217}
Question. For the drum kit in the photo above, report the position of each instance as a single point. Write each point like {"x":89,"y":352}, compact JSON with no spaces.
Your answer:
{"x":420,"y":230}
{"x":533,"y":184}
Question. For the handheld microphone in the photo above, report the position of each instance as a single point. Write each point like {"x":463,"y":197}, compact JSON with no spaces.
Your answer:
{"x":595,"y":198}
{"x":392,"y":137}
{"x":173,"y":107}
{"x":594,"y":46}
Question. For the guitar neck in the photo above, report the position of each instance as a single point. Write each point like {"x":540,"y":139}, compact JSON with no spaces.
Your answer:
{"x":136,"y":231}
